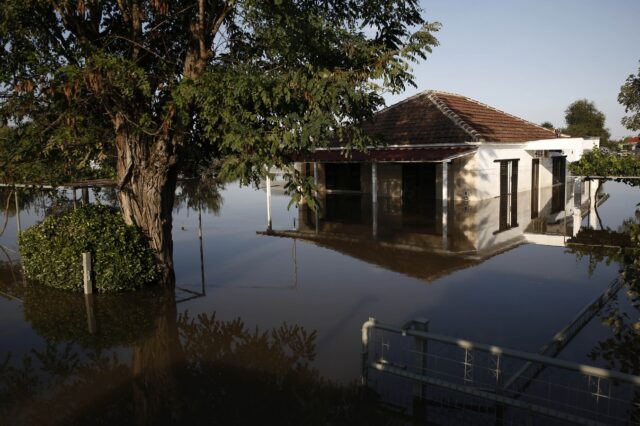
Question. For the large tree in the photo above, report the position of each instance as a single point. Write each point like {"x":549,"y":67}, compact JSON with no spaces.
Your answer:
{"x":629,"y":97}
{"x":252,"y":82}
{"x":584,"y":119}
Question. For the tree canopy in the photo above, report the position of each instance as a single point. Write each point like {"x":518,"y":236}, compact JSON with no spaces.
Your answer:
{"x":548,"y":125}
{"x":629,"y":97}
{"x":584,"y":119}
{"x":254,"y":80}
{"x":149,"y":87}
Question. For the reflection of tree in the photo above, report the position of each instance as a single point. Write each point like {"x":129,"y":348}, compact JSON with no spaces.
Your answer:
{"x":198,"y":370}
{"x":202,"y":190}
{"x":620,"y":351}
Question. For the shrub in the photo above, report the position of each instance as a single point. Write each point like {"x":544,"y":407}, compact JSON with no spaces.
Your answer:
{"x":52,"y":251}
{"x":599,"y":163}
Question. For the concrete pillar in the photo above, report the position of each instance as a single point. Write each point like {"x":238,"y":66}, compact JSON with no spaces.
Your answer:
{"x":593,"y":218}
{"x":445,"y":204}
{"x":577,"y":206}
{"x":577,"y":193}
{"x":374,"y":198}
{"x":577,"y":220}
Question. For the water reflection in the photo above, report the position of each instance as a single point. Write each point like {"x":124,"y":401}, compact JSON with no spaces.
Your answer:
{"x":421,"y":238}
{"x":151,"y":361}
{"x":185,"y":369}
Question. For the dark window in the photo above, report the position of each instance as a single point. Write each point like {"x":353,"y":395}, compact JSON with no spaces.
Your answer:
{"x":558,"y":198}
{"x":559,"y":170}
{"x":508,"y":195}
{"x":508,"y":176}
{"x":342,"y":176}
{"x":535,"y":182}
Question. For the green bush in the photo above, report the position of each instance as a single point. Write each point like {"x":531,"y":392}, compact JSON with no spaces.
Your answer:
{"x":599,"y":163}
{"x":52,"y":251}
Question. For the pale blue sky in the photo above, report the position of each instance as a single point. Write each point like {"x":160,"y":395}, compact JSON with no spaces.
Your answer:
{"x":533,"y":58}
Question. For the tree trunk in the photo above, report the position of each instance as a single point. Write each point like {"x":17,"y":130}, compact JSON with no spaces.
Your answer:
{"x":147,"y":176}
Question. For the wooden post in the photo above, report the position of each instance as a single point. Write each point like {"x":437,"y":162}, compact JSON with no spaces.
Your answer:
{"x":87,"y":269}
{"x":85,"y":195}
{"x":91,"y":316}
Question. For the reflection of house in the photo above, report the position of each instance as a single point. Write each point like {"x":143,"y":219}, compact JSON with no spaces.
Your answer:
{"x":445,"y":146}
{"x":427,"y":242}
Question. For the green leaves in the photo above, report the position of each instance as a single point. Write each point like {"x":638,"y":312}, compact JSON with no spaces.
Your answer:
{"x":584,"y":119}
{"x":629,"y":97}
{"x":52,"y":251}
{"x":597,"y":163}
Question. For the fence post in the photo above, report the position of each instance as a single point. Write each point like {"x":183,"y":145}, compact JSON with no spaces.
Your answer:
{"x":87,"y":273}
{"x":366,"y":337}
{"x":421,"y":345}
{"x":91,"y":316}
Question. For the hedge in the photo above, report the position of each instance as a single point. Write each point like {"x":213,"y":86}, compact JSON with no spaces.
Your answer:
{"x":52,"y":251}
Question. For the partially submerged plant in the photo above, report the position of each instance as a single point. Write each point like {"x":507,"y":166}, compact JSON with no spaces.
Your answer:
{"x":52,"y":251}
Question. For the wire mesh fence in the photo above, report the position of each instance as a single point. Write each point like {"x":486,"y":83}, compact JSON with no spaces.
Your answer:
{"x":444,"y":380}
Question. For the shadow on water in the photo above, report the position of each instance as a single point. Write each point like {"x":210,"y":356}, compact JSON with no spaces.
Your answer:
{"x":176,"y":368}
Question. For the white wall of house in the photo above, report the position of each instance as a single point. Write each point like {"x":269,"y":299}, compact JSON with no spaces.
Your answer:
{"x":484,"y":172}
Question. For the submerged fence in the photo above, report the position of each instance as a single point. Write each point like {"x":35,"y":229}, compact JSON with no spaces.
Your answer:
{"x":445,"y":380}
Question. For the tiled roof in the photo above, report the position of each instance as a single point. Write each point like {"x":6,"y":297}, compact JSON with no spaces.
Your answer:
{"x":409,"y":153}
{"x":434,"y":117}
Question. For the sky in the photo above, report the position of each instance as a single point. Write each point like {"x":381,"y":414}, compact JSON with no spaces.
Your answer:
{"x":533,"y":58}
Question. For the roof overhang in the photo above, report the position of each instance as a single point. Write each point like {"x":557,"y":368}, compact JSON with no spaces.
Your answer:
{"x":390,"y":154}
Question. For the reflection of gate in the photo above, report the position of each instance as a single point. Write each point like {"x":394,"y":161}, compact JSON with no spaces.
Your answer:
{"x":447,"y":380}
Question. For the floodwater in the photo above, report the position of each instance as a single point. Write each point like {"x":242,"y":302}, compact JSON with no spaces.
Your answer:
{"x":265,"y":324}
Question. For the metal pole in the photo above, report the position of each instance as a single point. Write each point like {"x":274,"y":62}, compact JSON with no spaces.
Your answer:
{"x":17,"y":210}
{"x":315,"y":183}
{"x":366,"y":336}
{"x":268,"y":201}
{"x":201,"y":247}
{"x":445,"y":204}
{"x":374,"y":198}
{"x":419,"y":389}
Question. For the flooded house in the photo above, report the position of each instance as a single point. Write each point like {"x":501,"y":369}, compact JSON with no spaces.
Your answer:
{"x":456,"y":178}
{"x":450,"y":147}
